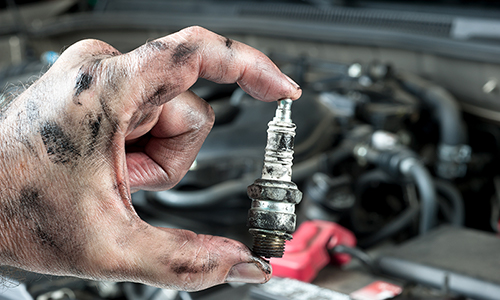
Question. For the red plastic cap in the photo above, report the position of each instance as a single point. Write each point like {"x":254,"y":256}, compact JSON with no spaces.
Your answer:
{"x":307,"y":253}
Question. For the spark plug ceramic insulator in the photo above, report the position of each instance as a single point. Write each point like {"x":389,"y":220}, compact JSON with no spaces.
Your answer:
{"x":272,"y":216}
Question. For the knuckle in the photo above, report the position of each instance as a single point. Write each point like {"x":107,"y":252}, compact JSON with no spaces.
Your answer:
{"x":194,"y":30}
{"x":83,"y":49}
{"x":88,"y":43}
{"x":83,"y":46}
{"x":209,"y":116}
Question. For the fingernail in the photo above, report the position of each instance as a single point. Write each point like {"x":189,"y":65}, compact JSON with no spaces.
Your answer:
{"x":292,"y":82}
{"x":247,"y":272}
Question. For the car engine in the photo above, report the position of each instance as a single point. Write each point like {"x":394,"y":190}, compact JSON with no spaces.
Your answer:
{"x":397,"y":140}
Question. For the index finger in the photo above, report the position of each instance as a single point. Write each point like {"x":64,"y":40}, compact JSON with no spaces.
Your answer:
{"x":170,"y":65}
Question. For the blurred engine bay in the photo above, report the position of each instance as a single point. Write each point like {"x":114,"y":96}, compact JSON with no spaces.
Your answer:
{"x":392,"y":142}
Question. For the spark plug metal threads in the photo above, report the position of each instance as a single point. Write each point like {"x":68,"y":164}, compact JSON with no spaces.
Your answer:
{"x":272,"y":216}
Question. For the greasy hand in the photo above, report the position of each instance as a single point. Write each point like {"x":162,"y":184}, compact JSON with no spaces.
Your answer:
{"x":100,"y":124}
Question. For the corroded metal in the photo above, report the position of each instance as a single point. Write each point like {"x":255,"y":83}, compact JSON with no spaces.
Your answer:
{"x":272,"y":216}
{"x":269,"y":243}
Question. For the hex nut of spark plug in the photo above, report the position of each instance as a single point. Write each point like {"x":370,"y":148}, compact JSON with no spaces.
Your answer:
{"x":285,"y":191}
{"x":268,"y":214}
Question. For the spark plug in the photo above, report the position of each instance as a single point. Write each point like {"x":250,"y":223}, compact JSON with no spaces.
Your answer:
{"x":271,"y":217}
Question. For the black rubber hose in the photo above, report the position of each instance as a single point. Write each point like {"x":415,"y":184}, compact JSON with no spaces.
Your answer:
{"x":400,"y":222}
{"x":204,"y":197}
{"x":451,"y":193}
{"x":224,"y":191}
{"x":404,"y":162}
{"x":445,"y":209}
{"x":444,"y":105}
{"x":364,"y":182}
{"x":427,"y":194}
{"x":357,"y":253}
{"x":447,"y":111}
{"x":396,"y":225}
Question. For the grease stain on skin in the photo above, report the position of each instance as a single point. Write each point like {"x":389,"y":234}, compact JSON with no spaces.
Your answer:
{"x":45,"y":238}
{"x":140,"y":117}
{"x":262,"y":264}
{"x":210,"y":266}
{"x":109,"y":116}
{"x":86,"y":76}
{"x":83,"y":82}
{"x":228,"y":42}
{"x":105,"y":53}
{"x":184,"y":268}
{"x":59,"y":146}
{"x":93,"y":122}
{"x":31,"y":207}
{"x":157,"y":45}
{"x":52,"y":228}
{"x":112,"y":52}
{"x":95,"y":126}
{"x":206,"y":267}
{"x":32,"y":111}
{"x":182,"y":53}
{"x":158,"y":98}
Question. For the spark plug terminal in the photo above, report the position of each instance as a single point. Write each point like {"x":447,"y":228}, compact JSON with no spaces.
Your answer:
{"x":271,"y":217}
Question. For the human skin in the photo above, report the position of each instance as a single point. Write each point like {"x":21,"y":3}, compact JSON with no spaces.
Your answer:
{"x":100,"y":125}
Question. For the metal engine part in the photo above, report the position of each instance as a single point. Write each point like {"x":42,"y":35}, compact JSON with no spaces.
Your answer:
{"x":272,"y":216}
